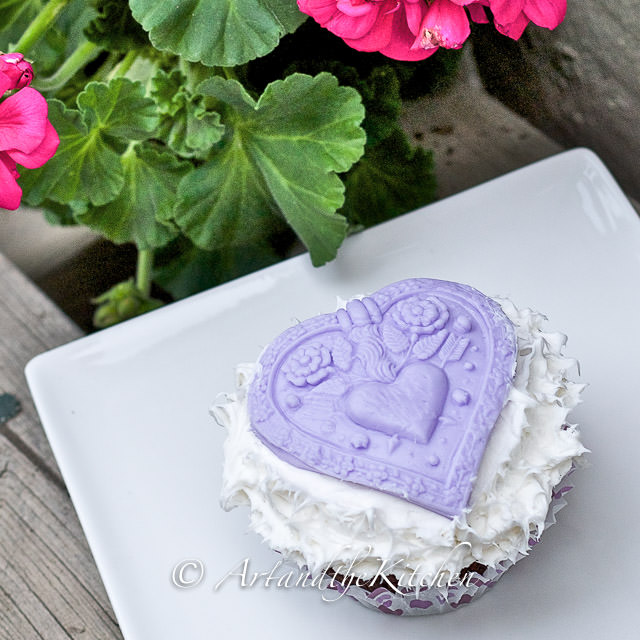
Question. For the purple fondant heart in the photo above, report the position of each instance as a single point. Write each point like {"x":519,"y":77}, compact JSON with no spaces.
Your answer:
{"x":397,"y":392}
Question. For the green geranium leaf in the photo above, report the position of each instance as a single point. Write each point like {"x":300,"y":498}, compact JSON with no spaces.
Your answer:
{"x":193,"y":131}
{"x":114,"y":28}
{"x":379,"y":89}
{"x":85,"y":167}
{"x":186,"y":126}
{"x":63,"y":215}
{"x":119,"y":109}
{"x":391,"y":179}
{"x":168,"y":91}
{"x":222,"y":33}
{"x":87,"y":164}
{"x":224,"y":202}
{"x":150,"y":183}
{"x":281,"y":154}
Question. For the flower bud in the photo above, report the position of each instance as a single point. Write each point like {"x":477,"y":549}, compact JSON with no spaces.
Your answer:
{"x":15,"y":71}
{"x":121,"y":302}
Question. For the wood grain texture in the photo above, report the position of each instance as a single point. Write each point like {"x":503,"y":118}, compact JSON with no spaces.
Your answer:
{"x":29,"y":324}
{"x":578,"y":83}
{"x":49,"y":584}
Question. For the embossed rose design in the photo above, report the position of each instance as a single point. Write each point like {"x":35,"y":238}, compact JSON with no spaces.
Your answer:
{"x":420,"y":314}
{"x":309,"y":365}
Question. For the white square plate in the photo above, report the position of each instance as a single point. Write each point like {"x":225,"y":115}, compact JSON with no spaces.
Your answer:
{"x":126,"y":411}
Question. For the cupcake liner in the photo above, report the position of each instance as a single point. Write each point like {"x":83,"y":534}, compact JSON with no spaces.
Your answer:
{"x":442,"y":599}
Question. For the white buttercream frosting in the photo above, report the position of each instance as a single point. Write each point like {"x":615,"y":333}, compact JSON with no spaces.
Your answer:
{"x":318,"y":521}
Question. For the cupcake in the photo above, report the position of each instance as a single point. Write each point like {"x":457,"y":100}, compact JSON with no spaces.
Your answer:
{"x":407,"y":449}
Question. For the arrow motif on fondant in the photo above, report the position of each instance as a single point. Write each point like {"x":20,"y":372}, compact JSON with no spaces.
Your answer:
{"x":397,"y":392}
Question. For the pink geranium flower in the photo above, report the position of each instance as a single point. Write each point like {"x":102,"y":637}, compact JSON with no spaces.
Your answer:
{"x":27,"y":138}
{"x":512,"y":16}
{"x":415,"y":29}
{"x":399,"y":29}
{"x":15,"y":72}
{"x":387,"y":26}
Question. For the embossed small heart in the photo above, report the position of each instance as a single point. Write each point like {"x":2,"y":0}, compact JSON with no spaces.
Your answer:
{"x":409,"y":407}
{"x":397,"y":392}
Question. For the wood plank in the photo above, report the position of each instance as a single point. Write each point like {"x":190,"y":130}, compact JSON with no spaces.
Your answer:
{"x":29,"y":324}
{"x":13,"y":623}
{"x":49,"y":584}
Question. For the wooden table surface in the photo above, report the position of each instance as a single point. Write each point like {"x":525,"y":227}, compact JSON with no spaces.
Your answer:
{"x":49,"y":583}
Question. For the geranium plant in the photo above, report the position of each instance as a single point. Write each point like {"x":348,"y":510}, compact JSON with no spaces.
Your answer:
{"x":213,"y":133}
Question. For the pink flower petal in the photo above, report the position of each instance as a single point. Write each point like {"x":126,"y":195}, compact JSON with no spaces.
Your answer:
{"x":10,"y":191}
{"x":353,"y":25}
{"x":546,"y":13}
{"x":5,"y":83}
{"x":399,"y":47}
{"x":445,"y":25}
{"x":379,"y":35}
{"x":11,"y":58}
{"x":415,"y":13}
{"x":506,"y":11}
{"x":320,"y":10}
{"x":40,"y":154}
{"x":23,"y":118}
{"x":514,"y":29}
{"x":352,"y":9}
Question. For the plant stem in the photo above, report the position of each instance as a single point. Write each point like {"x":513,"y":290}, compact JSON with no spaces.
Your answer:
{"x":125,"y":65}
{"x":39,"y":25}
{"x":106,"y":67}
{"x":229,"y":73}
{"x":83,"y":54}
{"x":143,"y":271}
